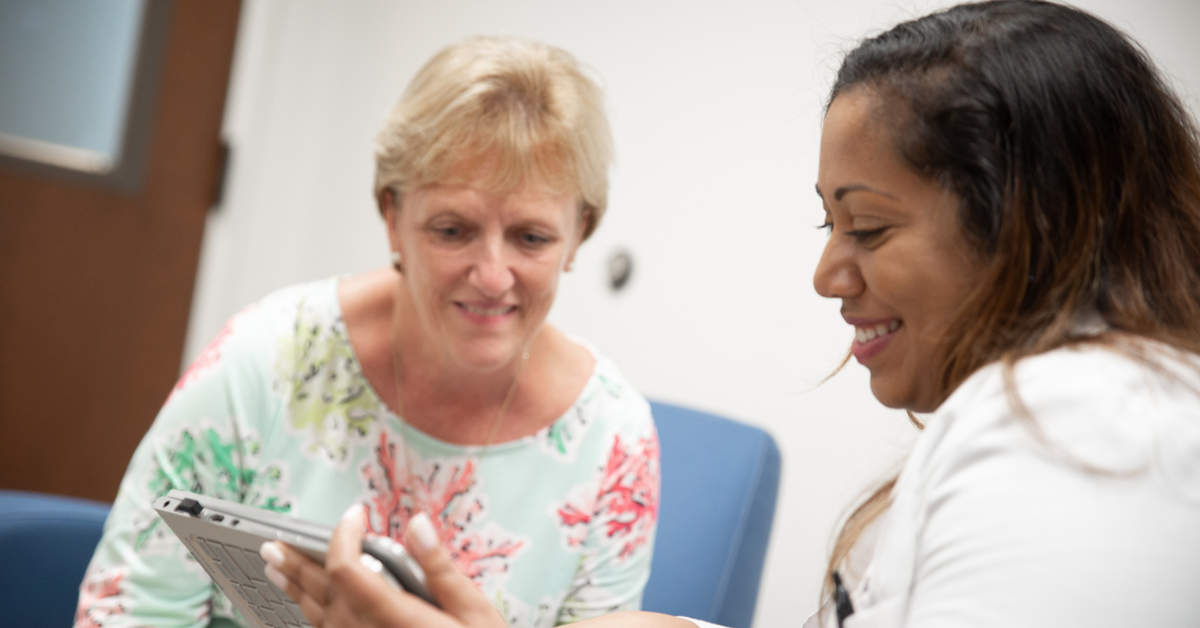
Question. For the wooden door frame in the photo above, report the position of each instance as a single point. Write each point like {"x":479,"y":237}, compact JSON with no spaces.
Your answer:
{"x":96,"y":282}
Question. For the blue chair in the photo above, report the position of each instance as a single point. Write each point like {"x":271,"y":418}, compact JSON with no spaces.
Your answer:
{"x":46,"y":542}
{"x":720,"y":479}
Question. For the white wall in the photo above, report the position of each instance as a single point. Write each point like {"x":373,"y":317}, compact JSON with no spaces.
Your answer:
{"x":716,"y":111}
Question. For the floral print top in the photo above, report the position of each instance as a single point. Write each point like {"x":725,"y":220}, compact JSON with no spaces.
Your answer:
{"x":275,"y":413}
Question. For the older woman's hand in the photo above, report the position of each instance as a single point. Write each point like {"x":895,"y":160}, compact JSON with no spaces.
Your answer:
{"x":346,"y":594}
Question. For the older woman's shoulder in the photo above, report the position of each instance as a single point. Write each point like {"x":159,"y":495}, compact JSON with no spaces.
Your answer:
{"x":311,"y":298}
{"x":608,"y":394}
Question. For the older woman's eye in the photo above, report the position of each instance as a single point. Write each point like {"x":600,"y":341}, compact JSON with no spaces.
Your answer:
{"x":449,"y":232}
{"x":533,"y":240}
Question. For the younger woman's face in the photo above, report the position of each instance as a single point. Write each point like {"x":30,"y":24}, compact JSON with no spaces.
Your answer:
{"x":896,"y":256}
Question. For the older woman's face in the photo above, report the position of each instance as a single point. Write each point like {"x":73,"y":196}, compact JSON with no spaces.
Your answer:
{"x":896,"y":256}
{"x":483,"y":268}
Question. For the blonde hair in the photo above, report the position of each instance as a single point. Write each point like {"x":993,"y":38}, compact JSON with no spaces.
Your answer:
{"x":500,"y":111}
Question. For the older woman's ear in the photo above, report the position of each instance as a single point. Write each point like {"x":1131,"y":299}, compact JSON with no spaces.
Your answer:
{"x":389,"y":208}
{"x":584,"y":217}
{"x":387,"y":200}
{"x":585,"y":220}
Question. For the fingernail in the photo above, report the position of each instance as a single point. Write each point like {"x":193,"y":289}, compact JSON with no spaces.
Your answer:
{"x":423,"y":532}
{"x":353,"y":512}
{"x":276,"y":578}
{"x":270,"y":553}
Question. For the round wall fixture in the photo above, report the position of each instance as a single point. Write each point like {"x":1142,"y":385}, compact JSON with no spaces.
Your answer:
{"x":620,"y":268}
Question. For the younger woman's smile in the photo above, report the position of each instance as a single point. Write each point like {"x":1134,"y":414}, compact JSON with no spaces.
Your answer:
{"x":871,"y":336}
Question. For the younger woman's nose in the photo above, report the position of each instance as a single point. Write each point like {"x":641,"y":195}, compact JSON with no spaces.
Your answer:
{"x":837,"y":275}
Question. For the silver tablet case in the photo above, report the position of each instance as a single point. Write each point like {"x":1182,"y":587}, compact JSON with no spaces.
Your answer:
{"x":225,"y":537}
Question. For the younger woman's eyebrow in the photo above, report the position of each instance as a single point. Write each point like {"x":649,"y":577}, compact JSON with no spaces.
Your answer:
{"x":855,"y":187}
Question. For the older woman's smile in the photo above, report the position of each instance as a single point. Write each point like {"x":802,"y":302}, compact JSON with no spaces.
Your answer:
{"x":486,"y":310}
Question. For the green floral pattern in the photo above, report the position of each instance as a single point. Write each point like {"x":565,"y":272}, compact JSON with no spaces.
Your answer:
{"x":329,"y":404}
{"x":207,"y":460}
{"x":276,"y":413}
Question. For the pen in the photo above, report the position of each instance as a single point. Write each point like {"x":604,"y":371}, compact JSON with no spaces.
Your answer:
{"x":841,"y":599}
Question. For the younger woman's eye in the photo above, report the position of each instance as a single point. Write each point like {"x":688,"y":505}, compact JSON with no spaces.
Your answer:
{"x":866,"y":235}
{"x":826,"y":226}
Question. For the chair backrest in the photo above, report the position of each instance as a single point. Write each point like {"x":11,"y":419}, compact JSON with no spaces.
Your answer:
{"x":720,"y":480}
{"x":46,"y":542}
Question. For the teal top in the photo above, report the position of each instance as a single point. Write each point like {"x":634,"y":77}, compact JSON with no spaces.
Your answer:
{"x":554,"y":527}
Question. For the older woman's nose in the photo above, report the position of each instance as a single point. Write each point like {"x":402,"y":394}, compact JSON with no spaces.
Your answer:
{"x":837,"y":275}
{"x":492,"y":273}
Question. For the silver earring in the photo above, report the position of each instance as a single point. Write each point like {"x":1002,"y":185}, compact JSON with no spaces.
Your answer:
{"x":396,"y":262}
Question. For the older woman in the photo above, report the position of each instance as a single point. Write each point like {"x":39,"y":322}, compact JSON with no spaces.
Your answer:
{"x":1013,"y":200}
{"x":433,"y":387}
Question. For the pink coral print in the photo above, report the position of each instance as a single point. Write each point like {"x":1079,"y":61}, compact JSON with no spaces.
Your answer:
{"x":626,"y":502}
{"x":210,"y":355}
{"x":99,"y":597}
{"x":446,"y":489}
{"x":576,"y":513}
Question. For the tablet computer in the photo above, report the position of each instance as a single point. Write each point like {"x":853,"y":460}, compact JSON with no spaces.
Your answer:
{"x":225,"y":537}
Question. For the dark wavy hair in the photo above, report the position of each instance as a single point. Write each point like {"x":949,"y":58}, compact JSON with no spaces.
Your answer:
{"x":1078,"y":172}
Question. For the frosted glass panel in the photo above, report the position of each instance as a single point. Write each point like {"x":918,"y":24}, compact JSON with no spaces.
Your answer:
{"x":66,"y":73}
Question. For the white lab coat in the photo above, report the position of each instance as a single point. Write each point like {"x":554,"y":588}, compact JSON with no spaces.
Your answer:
{"x":990,"y":527}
